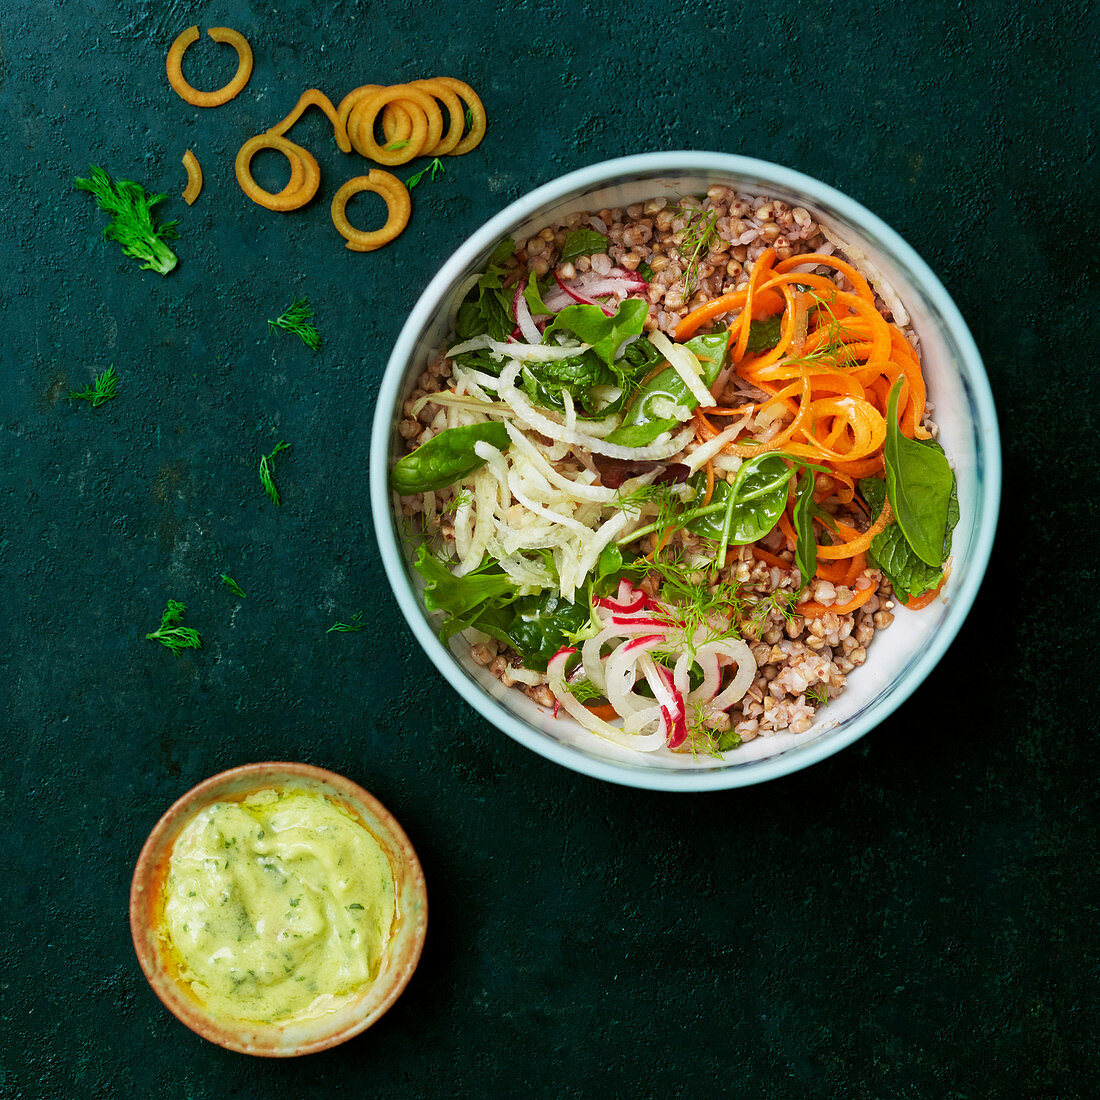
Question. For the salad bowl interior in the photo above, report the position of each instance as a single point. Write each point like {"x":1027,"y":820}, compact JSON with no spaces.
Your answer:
{"x":899,"y":658}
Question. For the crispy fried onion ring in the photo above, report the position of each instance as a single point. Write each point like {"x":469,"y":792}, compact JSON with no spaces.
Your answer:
{"x":397,"y":128}
{"x":398,"y":203}
{"x":314,"y":97}
{"x":194,"y":178}
{"x":222,"y":95}
{"x":427,"y":123}
{"x":305,"y":174}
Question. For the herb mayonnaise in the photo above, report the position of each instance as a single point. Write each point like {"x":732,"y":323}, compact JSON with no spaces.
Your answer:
{"x":278,"y":907}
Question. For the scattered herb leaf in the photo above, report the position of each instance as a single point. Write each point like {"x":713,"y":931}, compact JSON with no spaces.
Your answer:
{"x":431,"y":170}
{"x":353,"y":627}
{"x":171,"y":634}
{"x":233,"y":586}
{"x":446,"y":458}
{"x":298,"y":318}
{"x":102,"y":390}
{"x":132,"y":225}
{"x":267,"y":473}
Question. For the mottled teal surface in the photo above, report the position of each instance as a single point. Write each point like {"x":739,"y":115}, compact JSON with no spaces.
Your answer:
{"x":913,"y":918}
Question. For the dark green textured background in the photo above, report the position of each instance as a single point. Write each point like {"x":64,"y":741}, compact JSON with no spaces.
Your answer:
{"x":915,"y":917}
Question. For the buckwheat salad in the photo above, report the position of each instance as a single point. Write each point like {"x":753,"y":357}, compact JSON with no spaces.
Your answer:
{"x":675,"y":468}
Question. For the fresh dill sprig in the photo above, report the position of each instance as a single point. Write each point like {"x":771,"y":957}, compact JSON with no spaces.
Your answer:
{"x":585,"y":691}
{"x":713,"y":608}
{"x":132,"y":225}
{"x":353,"y":627}
{"x":102,"y":390}
{"x":171,"y":634}
{"x":396,"y":144}
{"x":430,"y":170}
{"x":267,"y":473}
{"x":782,"y":603}
{"x":469,"y":120}
{"x":232,"y":585}
{"x":700,"y":233}
{"x":298,"y":318}
{"x":818,"y":695}
{"x":461,"y":498}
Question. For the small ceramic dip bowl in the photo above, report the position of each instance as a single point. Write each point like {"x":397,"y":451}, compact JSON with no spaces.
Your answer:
{"x":288,"y":794}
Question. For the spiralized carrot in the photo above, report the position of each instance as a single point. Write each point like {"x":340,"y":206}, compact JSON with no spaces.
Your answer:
{"x":763,"y":555}
{"x":313,"y":97}
{"x":194,"y":178}
{"x":222,"y":95}
{"x":477,"y":114}
{"x":426,"y":116}
{"x":918,"y":603}
{"x":398,"y":203}
{"x":441,"y":90}
{"x":305,"y":174}
{"x":813,"y":610}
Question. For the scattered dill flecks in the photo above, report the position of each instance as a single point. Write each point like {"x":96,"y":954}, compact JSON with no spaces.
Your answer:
{"x":298,"y":318}
{"x":699,"y":234}
{"x":714,"y":608}
{"x":232,"y":585}
{"x":353,"y":627}
{"x":171,"y":634}
{"x":131,"y":210}
{"x":102,"y":390}
{"x":756,"y":615}
{"x":430,"y":170}
{"x":394,"y":145}
{"x":469,"y":120}
{"x":267,"y":473}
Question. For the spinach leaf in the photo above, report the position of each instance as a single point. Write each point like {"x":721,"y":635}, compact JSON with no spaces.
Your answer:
{"x":645,"y":271}
{"x":445,"y":458}
{"x":890,"y":552}
{"x":488,"y":306}
{"x":583,"y":242}
{"x":919,"y":482}
{"x":641,"y":357}
{"x":478,"y":599}
{"x":759,"y":496}
{"x":539,"y":625}
{"x":764,"y":334}
{"x":544,"y":382}
{"x":605,"y":334}
{"x":641,"y":424}
{"x":805,"y":549}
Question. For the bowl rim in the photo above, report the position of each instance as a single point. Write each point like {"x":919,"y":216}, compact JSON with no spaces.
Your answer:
{"x":236,"y":1035}
{"x":601,"y":174}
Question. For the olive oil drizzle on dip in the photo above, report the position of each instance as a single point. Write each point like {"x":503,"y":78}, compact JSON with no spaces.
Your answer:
{"x":278,"y":907}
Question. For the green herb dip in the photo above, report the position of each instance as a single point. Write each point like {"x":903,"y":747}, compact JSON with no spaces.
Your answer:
{"x":278,"y":907}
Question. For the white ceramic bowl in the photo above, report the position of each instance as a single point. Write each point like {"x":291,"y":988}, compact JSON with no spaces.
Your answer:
{"x":900,"y":657}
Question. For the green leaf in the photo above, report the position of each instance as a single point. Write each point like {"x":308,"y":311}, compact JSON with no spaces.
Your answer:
{"x":645,"y":271}
{"x":540,"y":624}
{"x":805,"y":551}
{"x":919,"y":481}
{"x":132,"y":223}
{"x":102,"y":390}
{"x":764,"y":334}
{"x":462,"y":599}
{"x":583,"y":242}
{"x":641,"y":422}
{"x":533,"y":296}
{"x":445,"y":458}
{"x":233,"y":586}
{"x":352,"y":627}
{"x":488,"y":306}
{"x":727,"y":740}
{"x":759,"y":495}
{"x":890,"y":552}
{"x":606,"y":334}
{"x":431,"y":170}
{"x":171,"y":634}
{"x":267,"y":472}
{"x":298,"y":319}
{"x":544,"y":382}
